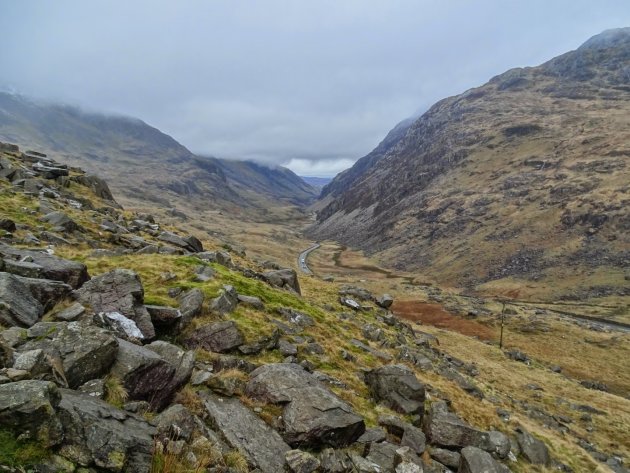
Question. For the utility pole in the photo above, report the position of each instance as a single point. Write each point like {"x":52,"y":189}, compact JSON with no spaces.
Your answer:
{"x":502,"y":323}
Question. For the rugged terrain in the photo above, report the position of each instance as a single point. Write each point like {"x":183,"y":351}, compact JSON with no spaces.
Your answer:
{"x":131,"y":345}
{"x":519,"y":187}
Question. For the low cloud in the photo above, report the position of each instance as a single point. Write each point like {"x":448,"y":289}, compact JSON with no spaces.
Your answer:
{"x":310,"y":85}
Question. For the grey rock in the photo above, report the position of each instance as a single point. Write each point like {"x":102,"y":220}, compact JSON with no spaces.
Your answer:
{"x":334,"y":461}
{"x":285,"y":278}
{"x":144,"y":374}
{"x":120,"y":291}
{"x":85,"y":351}
{"x":533,"y":450}
{"x":377,"y":353}
{"x":47,"y":291}
{"x":243,"y":430}
{"x":313,"y":415}
{"x":162,"y":316}
{"x":397,"y":387}
{"x":295,"y":317}
{"x":393,"y":424}
{"x":100,"y":435}
{"x":498,"y":444}
{"x":251,"y":301}
{"x":384,"y":455}
{"x":301,"y":462}
{"x":449,"y":458}
{"x":94,"y":388}
{"x":407,"y":467}
{"x":226,"y":302}
{"x":22,"y":268}
{"x":71,"y":313}
{"x":28,"y":408}
{"x":286,"y":348}
{"x":189,"y":243}
{"x":190,"y":305}
{"x":33,"y":361}
{"x":385,"y":301}
{"x":475,"y":460}
{"x":218,"y":337}
{"x":446,"y":429}
{"x":62,"y":221}
{"x":183,"y":361}
{"x":98,"y":186}
{"x":204,"y":273}
{"x":414,"y":438}
{"x":363,"y":465}
{"x":18,"y":307}
{"x":373,"y":435}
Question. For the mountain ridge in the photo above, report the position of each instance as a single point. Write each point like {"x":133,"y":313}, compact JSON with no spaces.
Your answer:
{"x":503,"y":181}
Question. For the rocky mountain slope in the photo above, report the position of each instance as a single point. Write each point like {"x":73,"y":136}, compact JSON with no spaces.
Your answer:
{"x":518,"y":187}
{"x":143,"y":164}
{"x":129,"y":346}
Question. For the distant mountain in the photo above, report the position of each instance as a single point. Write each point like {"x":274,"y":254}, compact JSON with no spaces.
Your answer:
{"x":317,"y":182}
{"x":524,"y":178}
{"x":143,"y":164}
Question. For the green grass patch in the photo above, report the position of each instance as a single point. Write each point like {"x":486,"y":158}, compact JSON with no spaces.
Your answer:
{"x":17,"y":453}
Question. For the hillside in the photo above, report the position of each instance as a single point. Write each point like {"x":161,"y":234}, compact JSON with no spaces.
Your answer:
{"x":517,"y":187}
{"x":144,"y":165}
{"x":128,"y":345}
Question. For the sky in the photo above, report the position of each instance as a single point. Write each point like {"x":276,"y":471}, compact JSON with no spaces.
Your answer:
{"x":311,"y":85}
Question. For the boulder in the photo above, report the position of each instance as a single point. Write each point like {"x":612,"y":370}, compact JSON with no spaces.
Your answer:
{"x":189,"y":243}
{"x":162,"y":316}
{"x":397,"y":387}
{"x":99,"y":435}
{"x":301,"y":462}
{"x":61,"y":221}
{"x":28,"y":408}
{"x":218,"y":337}
{"x":177,"y":421}
{"x":414,"y":438}
{"x":183,"y":361}
{"x":446,"y":429}
{"x":85,"y":351}
{"x":71,"y":313}
{"x":262,"y":447}
{"x":446,"y":457}
{"x":190,"y":305}
{"x":385,"y":301}
{"x":120,"y":291}
{"x":286,"y":278}
{"x":313,"y":415}
{"x":334,"y":461}
{"x":144,"y":374}
{"x":384,"y":455}
{"x":18,"y":307}
{"x":226,"y":302}
{"x":57,"y":269}
{"x":7,"y":225}
{"x":475,"y":460}
{"x":98,"y":186}
{"x":533,"y":450}
{"x":47,"y":291}
{"x":251,"y":301}
{"x":120,"y":325}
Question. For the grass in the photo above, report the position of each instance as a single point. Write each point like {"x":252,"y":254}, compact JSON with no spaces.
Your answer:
{"x":115,"y":392}
{"x":20,"y":453}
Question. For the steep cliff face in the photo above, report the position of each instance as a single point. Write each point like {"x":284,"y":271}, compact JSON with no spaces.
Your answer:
{"x":523,"y":177}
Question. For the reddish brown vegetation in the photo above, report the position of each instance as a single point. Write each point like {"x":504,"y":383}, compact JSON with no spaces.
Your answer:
{"x":434,"y":314}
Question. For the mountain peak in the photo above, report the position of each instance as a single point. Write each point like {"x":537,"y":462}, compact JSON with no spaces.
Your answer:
{"x":606,"y":39}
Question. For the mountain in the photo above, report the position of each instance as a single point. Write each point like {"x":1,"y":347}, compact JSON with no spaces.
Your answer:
{"x":317,"y":182}
{"x":142,"y":163}
{"x":524,"y":179}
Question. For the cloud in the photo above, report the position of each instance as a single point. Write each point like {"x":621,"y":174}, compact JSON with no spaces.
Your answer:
{"x":312,"y":85}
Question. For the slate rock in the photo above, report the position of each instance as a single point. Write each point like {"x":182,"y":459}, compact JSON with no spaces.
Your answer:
{"x":85,"y":351}
{"x":385,"y":301}
{"x":28,"y":408}
{"x":183,"y":361}
{"x":163,"y":316}
{"x":285,"y":278}
{"x":62,"y":221}
{"x":226,"y":302}
{"x":144,"y":374}
{"x":262,"y":447}
{"x":301,"y":462}
{"x":71,"y":313}
{"x":47,"y":291}
{"x":533,"y":450}
{"x":18,"y":307}
{"x":251,"y":301}
{"x":475,"y":460}
{"x":313,"y":415}
{"x":446,"y":429}
{"x":120,"y":291}
{"x":384,"y":455}
{"x":101,"y":435}
{"x":447,"y":457}
{"x":190,"y":305}
{"x":397,"y":387}
{"x":334,"y":461}
{"x":218,"y":337}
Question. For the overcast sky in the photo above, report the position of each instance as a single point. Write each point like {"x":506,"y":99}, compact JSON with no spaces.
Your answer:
{"x":312,"y":85}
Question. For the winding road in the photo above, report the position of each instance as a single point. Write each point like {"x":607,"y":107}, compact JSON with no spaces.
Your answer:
{"x":302,"y":259}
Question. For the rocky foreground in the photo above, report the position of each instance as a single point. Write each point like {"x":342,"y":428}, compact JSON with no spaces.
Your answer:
{"x":226,"y":377}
